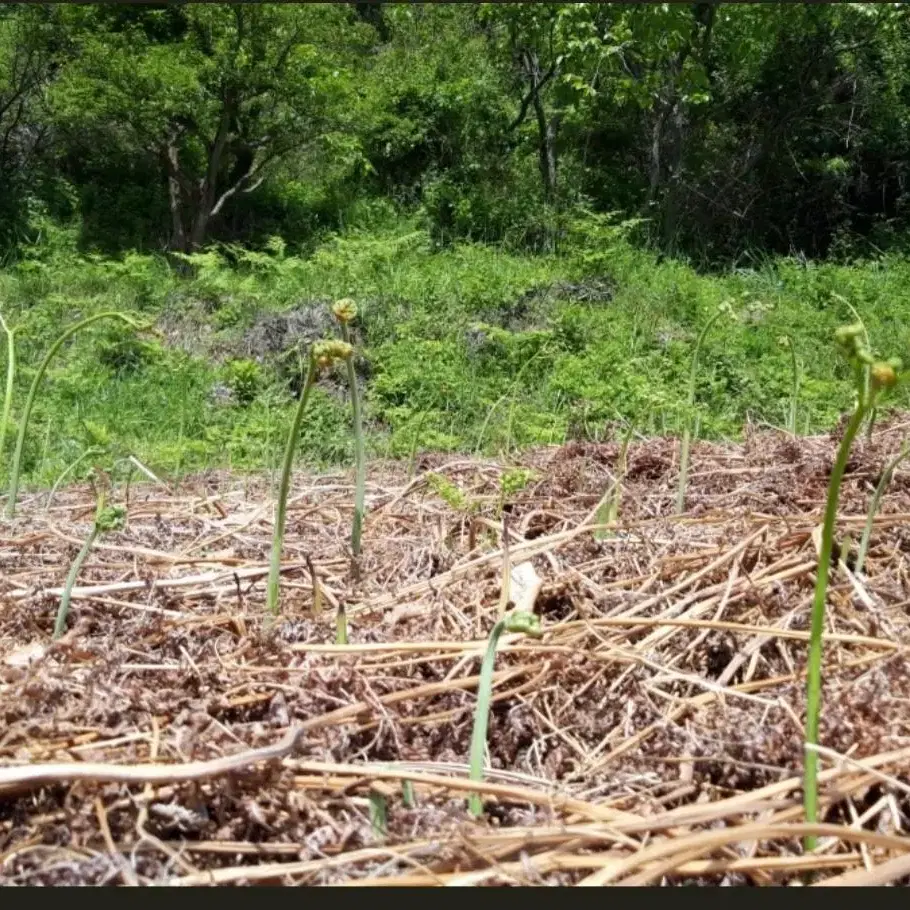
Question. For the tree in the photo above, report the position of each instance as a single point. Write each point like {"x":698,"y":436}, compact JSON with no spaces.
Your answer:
{"x":215,"y":94}
{"x":431,"y":118}
{"x":27,"y":64}
{"x":527,"y":39}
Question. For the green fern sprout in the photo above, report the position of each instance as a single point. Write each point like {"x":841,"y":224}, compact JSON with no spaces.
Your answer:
{"x":33,"y":392}
{"x":870,"y":377}
{"x":883,"y":482}
{"x":341,"y":624}
{"x":107,"y":518}
{"x":517,"y":621}
{"x":725,"y":309}
{"x":10,"y":379}
{"x":379,"y":814}
{"x":787,"y":342}
{"x":608,"y":508}
{"x":322,"y":354}
{"x":346,"y":312}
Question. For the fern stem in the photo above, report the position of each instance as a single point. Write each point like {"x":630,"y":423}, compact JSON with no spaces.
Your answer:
{"x":687,"y":431}
{"x":482,"y":716}
{"x":887,"y":474}
{"x":794,"y":390}
{"x":359,"y":453}
{"x":71,"y":581}
{"x":516,"y":621}
{"x":32,"y":394}
{"x":10,"y":379}
{"x":284,"y":489}
{"x":813,"y":675}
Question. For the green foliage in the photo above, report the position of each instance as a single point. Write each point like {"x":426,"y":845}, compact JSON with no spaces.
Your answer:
{"x":124,"y":354}
{"x":244,"y":378}
{"x":515,"y":480}
{"x":723,"y":131}
{"x":468,"y":348}
{"x":213,"y":96}
{"x":451,"y":494}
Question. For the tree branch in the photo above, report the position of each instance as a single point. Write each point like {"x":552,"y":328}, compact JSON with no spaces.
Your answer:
{"x":537,"y":83}
{"x":523,"y":112}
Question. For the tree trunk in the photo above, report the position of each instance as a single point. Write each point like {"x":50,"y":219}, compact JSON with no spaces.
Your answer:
{"x":654,"y":157}
{"x":674,"y":179}
{"x":200,"y":227}
{"x":179,"y":239}
{"x":546,"y":133}
{"x":668,"y":132}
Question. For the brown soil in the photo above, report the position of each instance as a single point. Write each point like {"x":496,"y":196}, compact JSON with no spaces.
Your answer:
{"x":652,"y":736}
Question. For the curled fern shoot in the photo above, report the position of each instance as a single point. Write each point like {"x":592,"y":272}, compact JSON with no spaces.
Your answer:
{"x":106,"y":519}
{"x":517,"y":621}
{"x":322,"y":354}
{"x":870,"y":377}
{"x":88,"y":453}
{"x":33,"y":392}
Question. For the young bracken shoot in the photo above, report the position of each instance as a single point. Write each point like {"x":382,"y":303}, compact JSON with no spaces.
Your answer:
{"x":317,"y":587}
{"x":106,"y":519}
{"x":10,"y":379}
{"x":322,"y":354}
{"x":32,"y":394}
{"x":379,"y":814}
{"x":787,"y":342}
{"x":341,"y":624}
{"x":608,"y":507}
{"x":723,"y":310}
{"x":346,"y":312}
{"x":92,"y":452}
{"x":863,"y":386}
{"x":885,"y":479}
{"x":516,"y":622}
{"x":505,"y":589}
{"x":871,"y":377}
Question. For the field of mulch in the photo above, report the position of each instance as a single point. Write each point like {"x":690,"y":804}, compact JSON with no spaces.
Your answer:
{"x":652,"y":736}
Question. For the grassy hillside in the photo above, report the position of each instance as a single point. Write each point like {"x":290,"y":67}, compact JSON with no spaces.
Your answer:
{"x":466,"y":348}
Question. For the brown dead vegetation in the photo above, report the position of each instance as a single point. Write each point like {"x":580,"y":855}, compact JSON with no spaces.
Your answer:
{"x":654,"y":734}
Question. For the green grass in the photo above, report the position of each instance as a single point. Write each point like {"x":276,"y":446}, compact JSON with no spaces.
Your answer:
{"x":446,"y":340}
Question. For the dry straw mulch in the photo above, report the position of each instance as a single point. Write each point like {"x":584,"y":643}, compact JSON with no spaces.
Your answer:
{"x":653,"y":736}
